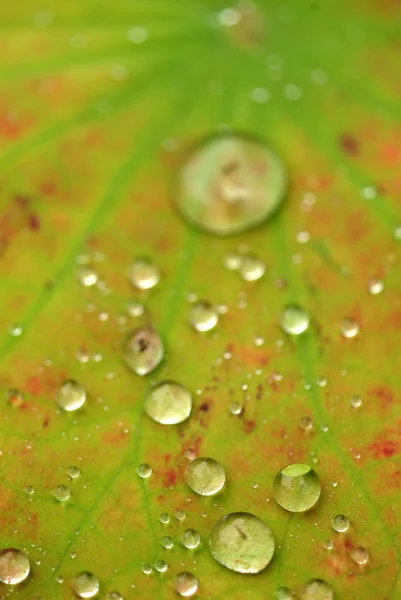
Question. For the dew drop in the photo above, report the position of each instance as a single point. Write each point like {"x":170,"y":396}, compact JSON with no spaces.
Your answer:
{"x":232,"y":261}
{"x":242,"y":542}
{"x":14,"y":566}
{"x":294,"y":320}
{"x":296,"y":488}
{"x":306,"y":423}
{"x":349,"y":328}
{"x":135,"y":308}
{"x":190,"y":538}
{"x":168,"y":403}
{"x":185,"y":584}
{"x":146,"y":569}
{"x":16,"y":330}
{"x":74,"y":472}
{"x":71,"y":395}
{"x":62,"y":493}
{"x":15,"y":397}
{"x":144,"y":274}
{"x":235,"y":408}
{"x":283,"y":593}
{"x":340,"y":523}
{"x":144,"y":470}
{"x":85,"y":585}
{"x":190,"y":454}
{"x":252,"y":268}
{"x":29,"y":489}
{"x":356,"y":401}
{"x":87,"y":276}
{"x":317,"y":589}
{"x":180,"y":514}
{"x":164,"y":518}
{"x":328,"y":545}
{"x":205,"y":476}
{"x":230,"y":184}
{"x":143,"y":350}
{"x":376,"y":286}
{"x":114,"y":596}
{"x":360,"y":555}
{"x":397,"y":232}
{"x":203,"y":316}
{"x":161,"y":566}
{"x":167,"y":542}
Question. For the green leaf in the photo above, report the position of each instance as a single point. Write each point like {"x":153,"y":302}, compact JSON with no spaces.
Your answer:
{"x":93,"y":131}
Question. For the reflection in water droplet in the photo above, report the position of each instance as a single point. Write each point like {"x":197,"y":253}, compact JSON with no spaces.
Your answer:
{"x":167,"y":542}
{"x":356,"y":401}
{"x":144,"y":470}
{"x":297,"y":488}
{"x":360,"y":555}
{"x":14,"y":566}
{"x":71,"y":395}
{"x":328,"y":545}
{"x":349,"y":328}
{"x":143,"y":274}
{"x":29,"y":489}
{"x":161,"y":566}
{"x":252,"y":268}
{"x":74,"y":472}
{"x":87,"y":276}
{"x":62,"y":493}
{"x":306,"y":423}
{"x":85,"y":585}
{"x":190,"y":538}
{"x":146,"y":569}
{"x":205,"y":476}
{"x":294,"y":320}
{"x":376,"y":286}
{"x":317,"y":589}
{"x":283,"y":593}
{"x":203,"y":316}
{"x":185,"y":584}
{"x":164,"y":518}
{"x":180,"y":514}
{"x":340,"y":523}
{"x":143,"y":350}
{"x":242,"y":542}
{"x":168,"y":403}
{"x":230,"y":183}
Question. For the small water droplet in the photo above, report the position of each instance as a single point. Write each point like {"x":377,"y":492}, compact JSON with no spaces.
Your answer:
{"x":205,"y":476}
{"x":16,"y":330}
{"x":292,"y":92}
{"x":60,"y":579}
{"x":164,"y":518}
{"x":74,"y":472}
{"x":349,"y":328}
{"x":294,"y":320}
{"x":143,"y":274}
{"x":235,"y":408}
{"x":297,"y":488}
{"x":29,"y":489}
{"x":185,"y":584}
{"x":161,"y":566}
{"x":376,"y":286}
{"x":317,"y":589}
{"x":114,"y":596}
{"x":190,"y":454}
{"x":321,"y":381}
{"x":203,"y":316}
{"x":340,"y":523}
{"x":232,"y":261}
{"x":180,"y":514}
{"x":168,"y":403}
{"x":356,"y":401}
{"x":242,"y":543}
{"x":135,"y":308}
{"x":230,"y":184}
{"x":260,"y":95}
{"x":143,"y":350}
{"x":167,"y":542}
{"x":62,"y":493}
{"x":87,"y":276}
{"x":190,"y":538}
{"x":146,"y":569}
{"x":283,"y":593}
{"x":14,"y":566}
{"x":85,"y":585}
{"x":71,"y":395}
{"x":144,"y":470}
{"x":306,"y":423}
{"x":360,"y":555}
{"x":328,"y":545}
{"x":369,"y":192}
{"x":252,"y":268}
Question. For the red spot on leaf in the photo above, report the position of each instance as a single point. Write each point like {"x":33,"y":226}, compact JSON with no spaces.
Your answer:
{"x":167,"y":458}
{"x":169,"y":478}
{"x":384,"y":449}
{"x":33,"y":222}
{"x":349,"y":144}
{"x":34,"y":386}
{"x":249,"y":426}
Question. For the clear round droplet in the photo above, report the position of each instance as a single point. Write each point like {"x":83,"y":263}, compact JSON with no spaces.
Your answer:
{"x":71,"y":395}
{"x":306,"y":423}
{"x":87,"y":276}
{"x":235,"y":408}
{"x":143,"y":350}
{"x":317,"y":589}
{"x":29,"y":489}
{"x":205,"y":476}
{"x":74,"y":472}
{"x":164,"y":518}
{"x":229,"y":184}
{"x":242,"y":542}
{"x":360,"y":555}
{"x":190,"y":538}
{"x":356,"y":401}
{"x":180,"y":514}
{"x":14,"y":566}
{"x":294,"y":320}
{"x":144,"y":274}
{"x":146,"y":569}
{"x":252,"y":268}
{"x":328,"y":545}
{"x":62,"y":493}
{"x":144,"y":470}
{"x":203,"y":316}
{"x":168,"y":403}
{"x":232,"y":261}
{"x":161,"y":566}
{"x":85,"y":585}
{"x":340,"y":523}
{"x":296,"y":488}
{"x":167,"y":542}
{"x":349,"y":328}
{"x":114,"y":596}
{"x":376,"y":286}
{"x":135,"y":308}
{"x":283,"y":593}
{"x":185,"y":585}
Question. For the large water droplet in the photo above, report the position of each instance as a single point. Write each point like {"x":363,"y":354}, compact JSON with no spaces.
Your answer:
{"x":360,"y":555}
{"x":85,"y":585}
{"x":144,"y":274}
{"x":186,"y":584}
{"x":14,"y":566}
{"x":340,"y":523}
{"x":168,"y":403}
{"x":143,"y":350}
{"x":190,"y":538}
{"x":203,"y":316}
{"x":242,"y":542}
{"x":294,"y":320}
{"x":230,"y":183}
{"x":297,"y":488}
{"x":205,"y":476}
{"x":317,"y":589}
{"x":71,"y":395}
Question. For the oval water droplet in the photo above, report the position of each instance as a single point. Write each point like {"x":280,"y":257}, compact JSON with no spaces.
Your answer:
{"x":62,"y":493}
{"x":294,"y":320}
{"x":242,"y":542}
{"x":71,"y":395}
{"x":161,"y":566}
{"x":167,"y":542}
{"x":164,"y":518}
{"x":168,"y":403}
{"x":146,"y":569}
{"x":296,"y":488}
{"x":180,"y":514}
{"x":349,"y":328}
{"x":74,"y":472}
{"x":85,"y":585}
{"x":29,"y":489}
{"x":14,"y":566}
{"x":229,"y":184}
{"x":203,"y":316}
{"x":135,"y":308}
{"x":306,"y":423}
{"x":143,"y":350}
{"x":317,"y":589}
{"x":360,"y":555}
{"x":205,"y":476}
{"x":144,"y":274}
{"x":144,"y":470}
{"x":340,"y":523}
{"x":185,"y":585}
{"x":252,"y":268}
{"x":191,"y":539}
{"x":232,"y":261}
{"x":328,"y":545}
